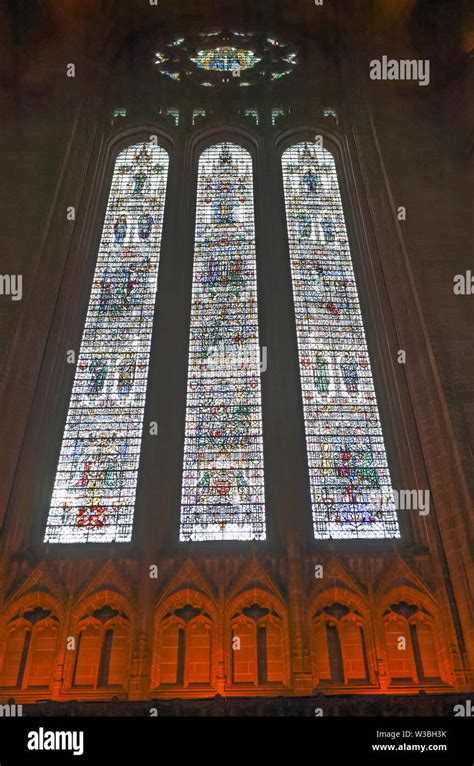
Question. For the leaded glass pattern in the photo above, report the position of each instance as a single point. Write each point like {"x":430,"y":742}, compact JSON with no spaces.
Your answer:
{"x":350,"y":482}
{"x":94,"y":491}
{"x":225,"y":59}
{"x":223,"y":486}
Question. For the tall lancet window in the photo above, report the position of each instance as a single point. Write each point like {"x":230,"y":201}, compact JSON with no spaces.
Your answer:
{"x":94,"y":491}
{"x":223,"y":489}
{"x":350,"y":481}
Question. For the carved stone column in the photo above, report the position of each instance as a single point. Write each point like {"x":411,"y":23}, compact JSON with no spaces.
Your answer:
{"x":301,"y":676}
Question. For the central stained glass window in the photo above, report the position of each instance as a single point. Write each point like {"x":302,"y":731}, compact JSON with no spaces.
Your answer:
{"x":223,"y":484}
{"x":351,"y":490}
{"x":225,"y":59}
{"x":94,"y":491}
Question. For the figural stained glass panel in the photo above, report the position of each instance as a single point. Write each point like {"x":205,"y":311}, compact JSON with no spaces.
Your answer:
{"x":94,"y":492}
{"x":223,"y":486}
{"x":350,"y":482}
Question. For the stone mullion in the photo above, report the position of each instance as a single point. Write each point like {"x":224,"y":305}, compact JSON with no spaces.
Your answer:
{"x":219,"y":652}
{"x":302,"y":681}
{"x":64,"y":658}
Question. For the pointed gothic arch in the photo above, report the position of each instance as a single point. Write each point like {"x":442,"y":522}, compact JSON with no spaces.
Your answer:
{"x":351,"y":493}
{"x":94,"y":492}
{"x":184,"y":642}
{"x":223,"y":484}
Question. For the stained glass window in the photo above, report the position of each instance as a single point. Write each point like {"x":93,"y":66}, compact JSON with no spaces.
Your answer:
{"x":197,"y":114}
{"x":173,"y":75}
{"x":225,"y":59}
{"x":94,"y":491}
{"x":252,"y":114}
{"x":223,"y":488}
{"x":350,"y":482}
{"x":279,"y":75}
{"x":277,"y":112}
